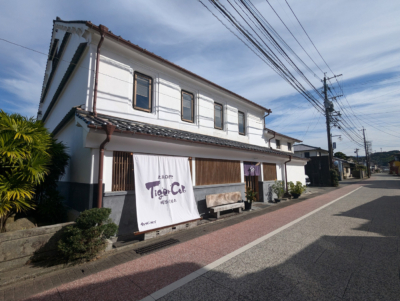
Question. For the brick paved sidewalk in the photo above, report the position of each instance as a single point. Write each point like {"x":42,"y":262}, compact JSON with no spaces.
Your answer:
{"x":128,"y":279}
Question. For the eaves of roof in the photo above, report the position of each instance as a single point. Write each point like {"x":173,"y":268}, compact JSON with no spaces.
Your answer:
{"x":145,"y":52}
{"x":125,"y":126}
{"x":269,"y":131}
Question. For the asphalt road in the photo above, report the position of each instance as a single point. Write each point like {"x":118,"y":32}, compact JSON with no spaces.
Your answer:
{"x":348,"y":250}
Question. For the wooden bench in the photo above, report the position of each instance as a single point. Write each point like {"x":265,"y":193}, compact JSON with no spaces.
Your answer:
{"x":224,"y":201}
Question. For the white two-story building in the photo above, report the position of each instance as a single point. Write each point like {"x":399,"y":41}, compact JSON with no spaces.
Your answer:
{"x":107,"y":99}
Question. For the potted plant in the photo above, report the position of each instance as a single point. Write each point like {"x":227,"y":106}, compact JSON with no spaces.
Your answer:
{"x":296,"y":189}
{"x":279,"y":189}
{"x":250,"y":198}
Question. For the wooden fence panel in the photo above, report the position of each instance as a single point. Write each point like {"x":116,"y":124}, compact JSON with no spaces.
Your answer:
{"x":211,"y":171}
{"x":269,"y":171}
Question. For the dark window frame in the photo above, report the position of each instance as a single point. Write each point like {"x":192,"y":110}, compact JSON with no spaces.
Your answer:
{"x":289,"y":146}
{"x":244,"y":123}
{"x":191,"y":94}
{"x":278,"y":143}
{"x":305,"y":155}
{"x":222,"y":116}
{"x":150,"y":92}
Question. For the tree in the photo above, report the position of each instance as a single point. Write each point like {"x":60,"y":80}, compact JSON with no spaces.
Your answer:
{"x":340,"y":155}
{"x":24,"y":161}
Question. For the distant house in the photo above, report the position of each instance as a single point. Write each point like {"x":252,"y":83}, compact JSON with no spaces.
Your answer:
{"x":308,"y":151}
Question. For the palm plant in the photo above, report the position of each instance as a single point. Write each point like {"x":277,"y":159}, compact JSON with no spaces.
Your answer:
{"x":24,"y":160}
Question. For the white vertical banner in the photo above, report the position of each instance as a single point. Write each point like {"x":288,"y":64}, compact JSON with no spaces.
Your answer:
{"x":163,"y":191}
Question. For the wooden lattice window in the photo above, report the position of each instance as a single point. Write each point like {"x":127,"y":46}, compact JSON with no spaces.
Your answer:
{"x":211,"y":171}
{"x":269,"y":171}
{"x":123,"y":174}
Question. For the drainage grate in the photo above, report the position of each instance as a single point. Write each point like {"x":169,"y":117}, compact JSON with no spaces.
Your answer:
{"x":156,"y":246}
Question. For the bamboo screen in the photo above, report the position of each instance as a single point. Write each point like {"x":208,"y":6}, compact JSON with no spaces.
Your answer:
{"x":123,"y":174}
{"x":210,"y":171}
{"x":269,"y":171}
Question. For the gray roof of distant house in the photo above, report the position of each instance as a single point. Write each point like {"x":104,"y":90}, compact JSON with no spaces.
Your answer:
{"x":304,"y":147}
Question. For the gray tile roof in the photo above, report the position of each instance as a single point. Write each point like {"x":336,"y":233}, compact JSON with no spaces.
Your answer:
{"x":131,"y":126}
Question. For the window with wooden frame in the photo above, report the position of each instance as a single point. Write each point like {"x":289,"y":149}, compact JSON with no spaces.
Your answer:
{"x":269,"y":172}
{"x":122,"y":172}
{"x":278,"y":144}
{"x":241,"y":123}
{"x":187,"y":106}
{"x":142,"y":92}
{"x":212,"y":171}
{"x":289,"y":146}
{"x":218,"y":116}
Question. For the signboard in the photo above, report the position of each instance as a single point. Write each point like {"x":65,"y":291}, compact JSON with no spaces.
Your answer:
{"x":164,"y":191}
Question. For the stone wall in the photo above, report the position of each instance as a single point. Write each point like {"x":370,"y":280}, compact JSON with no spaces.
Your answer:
{"x":18,"y":247}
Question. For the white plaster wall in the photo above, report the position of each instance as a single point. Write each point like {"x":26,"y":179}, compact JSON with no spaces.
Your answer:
{"x":63,"y":64}
{"x":107,"y":170}
{"x":74,"y":94}
{"x":295,"y":172}
{"x":79,"y":167}
{"x":117,"y":66}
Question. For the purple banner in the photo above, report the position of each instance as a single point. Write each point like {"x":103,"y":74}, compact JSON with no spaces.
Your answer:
{"x":251,"y":169}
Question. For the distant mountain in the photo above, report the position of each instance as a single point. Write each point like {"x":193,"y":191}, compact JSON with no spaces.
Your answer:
{"x":382,"y":158}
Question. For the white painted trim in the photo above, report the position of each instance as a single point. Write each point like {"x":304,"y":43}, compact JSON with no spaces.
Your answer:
{"x":241,"y":172}
{"x":181,"y":282}
{"x":193,"y":171}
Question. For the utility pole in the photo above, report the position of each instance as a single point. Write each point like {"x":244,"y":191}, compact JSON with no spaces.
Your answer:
{"x":366,"y":153}
{"x":328,"y":126}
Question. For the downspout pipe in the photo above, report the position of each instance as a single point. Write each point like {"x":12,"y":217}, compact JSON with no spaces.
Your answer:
{"x":102,"y":30}
{"x":109,"y":128}
{"x":290,"y":159}
{"x":269,"y":140}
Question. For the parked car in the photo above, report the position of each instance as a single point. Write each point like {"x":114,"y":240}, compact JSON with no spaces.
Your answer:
{"x":308,"y":183}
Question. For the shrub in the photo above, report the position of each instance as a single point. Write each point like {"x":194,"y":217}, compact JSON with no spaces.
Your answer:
{"x":278,"y":188}
{"x":299,"y":188}
{"x":84,"y":240}
{"x":50,"y":208}
{"x":334,"y":177}
{"x":250,"y":195}
{"x":24,"y":162}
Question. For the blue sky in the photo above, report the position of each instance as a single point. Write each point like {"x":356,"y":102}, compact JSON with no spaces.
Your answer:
{"x":359,"y":39}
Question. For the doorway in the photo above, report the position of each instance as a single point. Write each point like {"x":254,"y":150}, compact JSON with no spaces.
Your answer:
{"x":252,"y":183}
